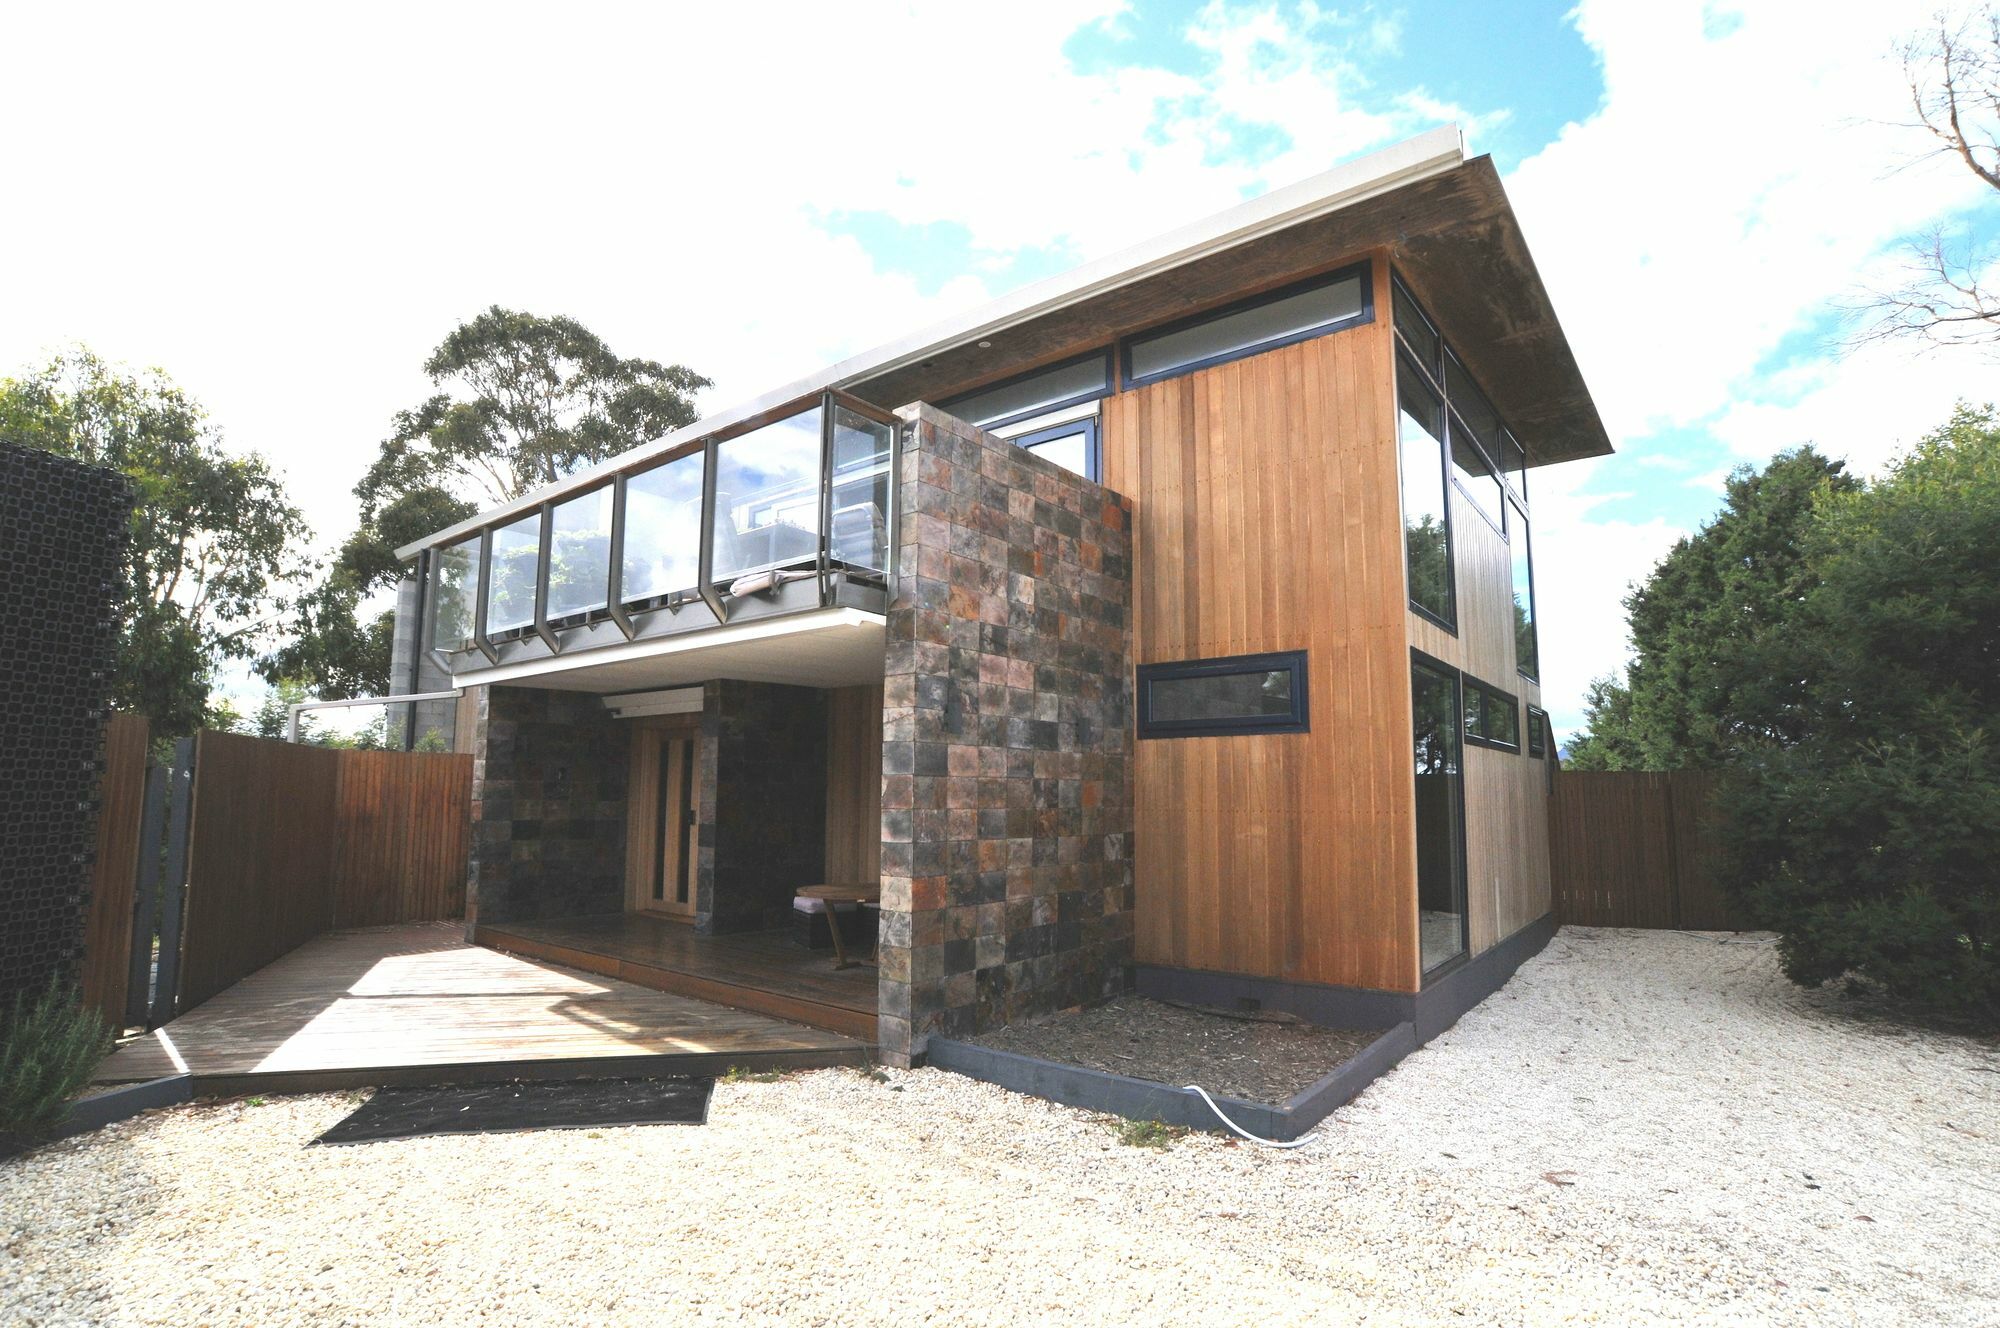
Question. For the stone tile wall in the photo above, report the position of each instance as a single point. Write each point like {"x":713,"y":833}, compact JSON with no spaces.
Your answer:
{"x":1007,"y":740}
{"x":548,"y":807}
{"x":763,"y":803}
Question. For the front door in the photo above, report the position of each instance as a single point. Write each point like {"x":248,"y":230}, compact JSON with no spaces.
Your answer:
{"x":662,"y":803}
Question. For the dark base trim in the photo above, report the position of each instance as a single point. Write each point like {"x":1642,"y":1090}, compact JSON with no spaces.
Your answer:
{"x":1414,"y":1019}
{"x":644,"y":1066}
{"x":108,"y":1107}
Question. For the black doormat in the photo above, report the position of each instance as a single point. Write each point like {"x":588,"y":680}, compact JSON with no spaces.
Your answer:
{"x":412,"y":1113}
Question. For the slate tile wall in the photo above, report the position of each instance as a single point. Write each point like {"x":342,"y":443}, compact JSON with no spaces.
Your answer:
{"x":548,"y":807}
{"x":763,"y":803}
{"x":1007,"y":741}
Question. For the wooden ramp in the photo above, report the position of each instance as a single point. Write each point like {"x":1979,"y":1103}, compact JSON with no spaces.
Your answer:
{"x":762,"y":971}
{"x":415,"y":1004}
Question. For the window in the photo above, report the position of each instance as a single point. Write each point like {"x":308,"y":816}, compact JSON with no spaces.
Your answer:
{"x":510,"y":584}
{"x":1426,"y":520}
{"x":1242,"y":694}
{"x":1416,"y":331}
{"x":454,"y":595}
{"x":1514,"y":464}
{"x":1492,"y":717}
{"x":1036,"y":393}
{"x":1440,"y":812}
{"x":1538,"y":732}
{"x":1072,"y":446}
{"x":1527,"y":648}
{"x":579,"y":553}
{"x":1295,"y":314}
{"x":1474,"y":473}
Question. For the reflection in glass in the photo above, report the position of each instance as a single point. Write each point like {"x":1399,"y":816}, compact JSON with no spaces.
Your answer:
{"x":1416,"y":329}
{"x":662,"y":530}
{"x":1527,"y":649}
{"x":579,"y":553}
{"x":1426,"y":533}
{"x":1503,"y":720}
{"x":767,"y":496}
{"x":1034,"y":393}
{"x":517,"y":554}
{"x":860,"y":532}
{"x":1440,"y":863}
{"x":1475,"y":476}
{"x":1221,"y":696}
{"x":456,"y":595}
{"x":1337,"y":301}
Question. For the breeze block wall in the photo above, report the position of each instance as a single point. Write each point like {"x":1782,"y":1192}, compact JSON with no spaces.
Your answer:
{"x":63,"y":532}
{"x":763,"y":803}
{"x":1007,"y":741}
{"x":549,"y":771}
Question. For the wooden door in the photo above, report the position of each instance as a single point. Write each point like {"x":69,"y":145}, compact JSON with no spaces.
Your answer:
{"x":662,"y":813}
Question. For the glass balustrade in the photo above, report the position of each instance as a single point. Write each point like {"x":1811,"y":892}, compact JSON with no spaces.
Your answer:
{"x":803,"y":497}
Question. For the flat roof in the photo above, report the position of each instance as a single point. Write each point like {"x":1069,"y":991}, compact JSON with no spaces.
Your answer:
{"x":1446,"y":219}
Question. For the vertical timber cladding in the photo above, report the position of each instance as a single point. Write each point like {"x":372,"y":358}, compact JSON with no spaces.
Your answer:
{"x":1266,"y":497}
{"x":63,"y":530}
{"x":1506,"y":795}
{"x":1006,"y":724}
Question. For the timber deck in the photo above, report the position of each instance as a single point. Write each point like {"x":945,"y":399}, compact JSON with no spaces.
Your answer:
{"x":415,"y":1004}
{"x":764,"y":971}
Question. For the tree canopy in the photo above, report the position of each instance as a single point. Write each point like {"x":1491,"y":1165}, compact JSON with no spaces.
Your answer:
{"x":216,"y":544}
{"x":1702,"y":683}
{"x":521,"y":399}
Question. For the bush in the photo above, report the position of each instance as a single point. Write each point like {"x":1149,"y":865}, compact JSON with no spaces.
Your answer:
{"x":1867,"y":843}
{"x":48,"y":1049}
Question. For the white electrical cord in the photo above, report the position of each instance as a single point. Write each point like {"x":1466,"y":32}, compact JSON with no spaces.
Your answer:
{"x":1268,"y":1143}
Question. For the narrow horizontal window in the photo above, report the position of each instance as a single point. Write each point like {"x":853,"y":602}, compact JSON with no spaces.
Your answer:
{"x":1241,"y":694}
{"x":1492,"y":717}
{"x":1035,"y":393}
{"x":1294,"y":314}
{"x":1538,"y":732}
{"x":1072,"y":446}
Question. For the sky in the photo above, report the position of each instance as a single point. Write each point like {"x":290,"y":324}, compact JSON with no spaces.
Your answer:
{"x":287,"y":207}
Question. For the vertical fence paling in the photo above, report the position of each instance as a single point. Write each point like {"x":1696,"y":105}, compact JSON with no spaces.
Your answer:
{"x":173,"y":884}
{"x":1631,"y":849}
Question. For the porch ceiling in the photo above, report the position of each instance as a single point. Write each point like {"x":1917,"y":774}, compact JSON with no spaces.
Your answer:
{"x":831,"y":648}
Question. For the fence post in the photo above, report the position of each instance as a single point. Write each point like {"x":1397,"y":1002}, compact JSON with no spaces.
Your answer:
{"x":146,"y":901}
{"x":174,"y":887}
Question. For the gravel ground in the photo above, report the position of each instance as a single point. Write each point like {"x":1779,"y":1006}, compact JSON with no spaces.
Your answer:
{"x":1258,"y":1060}
{"x":1642,"y":1128}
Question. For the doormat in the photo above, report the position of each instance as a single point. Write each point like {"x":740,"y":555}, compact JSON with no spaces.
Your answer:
{"x":413,"y":1113}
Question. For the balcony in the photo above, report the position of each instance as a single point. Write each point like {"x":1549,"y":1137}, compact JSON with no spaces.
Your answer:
{"x":787,"y":513}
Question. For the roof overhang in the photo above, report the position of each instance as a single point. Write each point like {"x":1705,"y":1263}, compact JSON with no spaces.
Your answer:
{"x":1445,"y":219}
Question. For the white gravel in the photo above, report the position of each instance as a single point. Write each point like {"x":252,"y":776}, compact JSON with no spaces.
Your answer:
{"x":1642,"y":1128}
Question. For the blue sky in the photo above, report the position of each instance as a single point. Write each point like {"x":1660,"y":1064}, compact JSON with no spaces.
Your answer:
{"x":757,"y":192}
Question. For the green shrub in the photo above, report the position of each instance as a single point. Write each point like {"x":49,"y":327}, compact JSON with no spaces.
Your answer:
{"x":1149,"y":1134}
{"x":49,"y":1047}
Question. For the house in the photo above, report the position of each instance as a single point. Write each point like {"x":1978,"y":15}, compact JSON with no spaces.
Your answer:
{"x":1170,"y":623}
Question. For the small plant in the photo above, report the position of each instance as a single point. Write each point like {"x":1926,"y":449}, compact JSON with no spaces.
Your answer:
{"x":253,"y":1101}
{"x":876,"y":1074}
{"x":736,"y":1074}
{"x":48,"y":1048}
{"x":1149,"y":1134}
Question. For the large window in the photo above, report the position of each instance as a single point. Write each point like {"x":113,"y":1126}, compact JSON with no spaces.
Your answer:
{"x":1440,"y":813}
{"x":1426,"y":523}
{"x":1037,"y":393}
{"x":1240,"y":694}
{"x":1527,"y":648}
{"x":579,"y":553}
{"x":1327,"y":304}
{"x":510,"y":587}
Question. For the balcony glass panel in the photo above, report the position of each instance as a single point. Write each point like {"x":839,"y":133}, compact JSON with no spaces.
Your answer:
{"x":456,"y":595}
{"x":579,"y":553}
{"x":767,"y":497}
{"x":517,"y":556}
{"x":663,"y":529}
{"x":860,"y":534}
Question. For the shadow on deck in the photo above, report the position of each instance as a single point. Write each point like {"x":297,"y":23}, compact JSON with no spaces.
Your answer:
{"x":415,"y":1004}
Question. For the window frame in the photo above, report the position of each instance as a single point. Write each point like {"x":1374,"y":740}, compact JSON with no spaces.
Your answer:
{"x":1105,"y":354}
{"x":1361,"y":271}
{"x":1438,"y":376}
{"x":1448,"y":624}
{"x":1489,"y":694}
{"x":1093,"y":454}
{"x":1292,"y":661}
{"x":1523,"y":529}
{"x":1459,"y":680}
{"x":1538,"y":733}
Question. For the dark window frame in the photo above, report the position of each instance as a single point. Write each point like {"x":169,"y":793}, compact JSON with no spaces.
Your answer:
{"x":1292,"y":661}
{"x":1538,"y":733}
{"x":1106,"y":355}
{"x":1459,"y":680}
{"x":1093,"y":448}
{"x":1488,"y":695}
{"x":1362,"y":270}
{"x":1534,"y":609}
{"x":1436,"y":376}
{"x":1449,"y":624}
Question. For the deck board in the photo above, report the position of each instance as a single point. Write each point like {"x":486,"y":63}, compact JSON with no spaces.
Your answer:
{"x":406,"y":1003}
{"x":763,"y":971}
